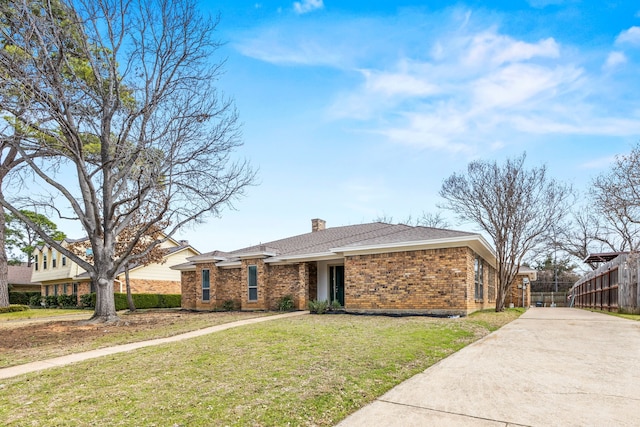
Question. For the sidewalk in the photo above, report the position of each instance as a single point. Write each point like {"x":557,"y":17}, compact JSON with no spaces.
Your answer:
{"x":550,"y":367}
{"x":78,"y":357}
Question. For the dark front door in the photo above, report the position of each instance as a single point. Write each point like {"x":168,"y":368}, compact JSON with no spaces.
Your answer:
{"x":336,"y":280}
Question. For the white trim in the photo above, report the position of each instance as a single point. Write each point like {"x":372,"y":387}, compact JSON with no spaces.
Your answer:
{"x":475,"y":242}
{"x":320,"y":256}
{"x":229,"y":264}
{"x":204,"y":258}
{"x":191,"y":267}
{"x":252,"y":255}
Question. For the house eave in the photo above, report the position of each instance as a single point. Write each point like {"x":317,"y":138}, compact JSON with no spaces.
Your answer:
{"x":183,"y":267}
{"x":320,"y":256}
{"x":229,"y":264}
{"x":475,"y":242}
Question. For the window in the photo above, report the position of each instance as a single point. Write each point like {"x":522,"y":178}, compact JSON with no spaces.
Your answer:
{"x":54,"y":258}
{"x":44,"y":261}
{"x":75,"y":287}
{"x":55,"y":290}
{"x":35,"y":262}
{"x":479,"y":278}
{"x":206,"y":286}
{"x":46,"y":291}
{"x":64,"y":289}
{"x":253,"y":283}
{"x":64,"y":260}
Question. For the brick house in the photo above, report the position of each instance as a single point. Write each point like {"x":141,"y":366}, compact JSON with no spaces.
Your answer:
{"x":374,"y":267}
{"x":519,"y":293}
{"x":58,"y":275}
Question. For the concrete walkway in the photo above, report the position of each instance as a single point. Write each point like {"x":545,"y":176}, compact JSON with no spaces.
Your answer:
{"x":79,"y":357}
{"x":551,"y":367}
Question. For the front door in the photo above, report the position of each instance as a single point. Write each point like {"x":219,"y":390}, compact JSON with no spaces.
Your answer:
{"x":336,"y":282}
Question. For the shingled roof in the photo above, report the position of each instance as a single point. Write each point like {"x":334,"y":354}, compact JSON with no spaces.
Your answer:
{"x":19,"y":275}
{"x":331,"y":239}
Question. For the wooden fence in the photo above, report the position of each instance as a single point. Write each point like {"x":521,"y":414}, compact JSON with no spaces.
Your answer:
{"x":612,"y":287}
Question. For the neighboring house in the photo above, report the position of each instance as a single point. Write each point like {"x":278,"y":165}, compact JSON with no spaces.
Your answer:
{"x":520,"y":290}
{"x":374,"y":267}
{"x":59,"y":275}
{"x":20,"y":279}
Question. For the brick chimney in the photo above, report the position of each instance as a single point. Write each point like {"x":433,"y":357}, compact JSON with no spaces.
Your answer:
{"x":318,"y":224}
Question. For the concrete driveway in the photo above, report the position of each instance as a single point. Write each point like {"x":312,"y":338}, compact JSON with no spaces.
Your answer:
{"x":551,"y":367}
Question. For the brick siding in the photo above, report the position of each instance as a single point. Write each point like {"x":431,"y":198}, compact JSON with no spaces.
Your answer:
{"x":437,"y":281}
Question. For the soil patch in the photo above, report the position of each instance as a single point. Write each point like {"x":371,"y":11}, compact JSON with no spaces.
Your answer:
{"x":27,"y":341}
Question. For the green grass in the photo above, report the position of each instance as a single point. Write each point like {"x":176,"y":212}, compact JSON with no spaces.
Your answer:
{"x":309,"y":370}
{"x":635,"y":317}
{"x":41,"y":312}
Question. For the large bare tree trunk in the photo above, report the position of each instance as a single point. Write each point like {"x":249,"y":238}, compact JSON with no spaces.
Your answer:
{"x":132,"y":306}
{"x":500,"y":298}
{"x":4,"y":270}
{"x":105,"y":306}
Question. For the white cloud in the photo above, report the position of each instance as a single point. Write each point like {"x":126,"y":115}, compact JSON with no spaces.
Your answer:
{"x":630,"y":36}
{"x":397,"y":84}
{"x":599,"y":163}
{"x":614,"y":60}
{"x":495,"y":49}
{"x":458,"y":88}
{"x":306,"y":6}
{"x":516,"y":85}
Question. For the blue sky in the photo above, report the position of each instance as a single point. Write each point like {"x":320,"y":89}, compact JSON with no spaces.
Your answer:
{"x":353,"y":110}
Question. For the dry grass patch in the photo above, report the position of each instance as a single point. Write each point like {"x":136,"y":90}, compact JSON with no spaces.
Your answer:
{"x":303,"y":371}
{"x":28,"y":342}
{"x":37,"y":313}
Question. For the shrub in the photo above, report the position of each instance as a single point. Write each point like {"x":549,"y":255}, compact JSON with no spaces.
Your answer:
{"x":50,"y":301}
{"x":229,"y":305}
{"x":67,"y":300}
{"x":35,"y":300}
{"x":285,"y":303}
{"x":13,"y":308}
{"x":23,"y":298}
{"x":169,"y":300}
{"x":88,"y":300}
{"x":143,"y":301}
{"x":318,"y":307}
{"x":335,"y":305}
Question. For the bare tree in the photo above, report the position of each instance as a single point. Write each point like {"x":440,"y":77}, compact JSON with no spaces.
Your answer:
{"x":123,"y":94}
{"x":9,"y":160}
{"x":513,"y":205}
{"x":427,"y":219}
{"x":615,"y":195}
{"x":433,"y":220}
{"x":584,"y":234}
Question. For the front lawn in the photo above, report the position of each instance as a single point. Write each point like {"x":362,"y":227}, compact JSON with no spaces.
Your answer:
{"x":308,"y":370}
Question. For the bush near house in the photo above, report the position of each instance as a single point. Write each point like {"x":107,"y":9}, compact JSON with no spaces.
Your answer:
{"x":23,"y":298}
{"x":50,"y":301}
{"x":139,"y":300}
{"x":285,"y":303}
{"x":35,"y":300}
{"x":67,"y":300}
{"x":148,"y":301}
